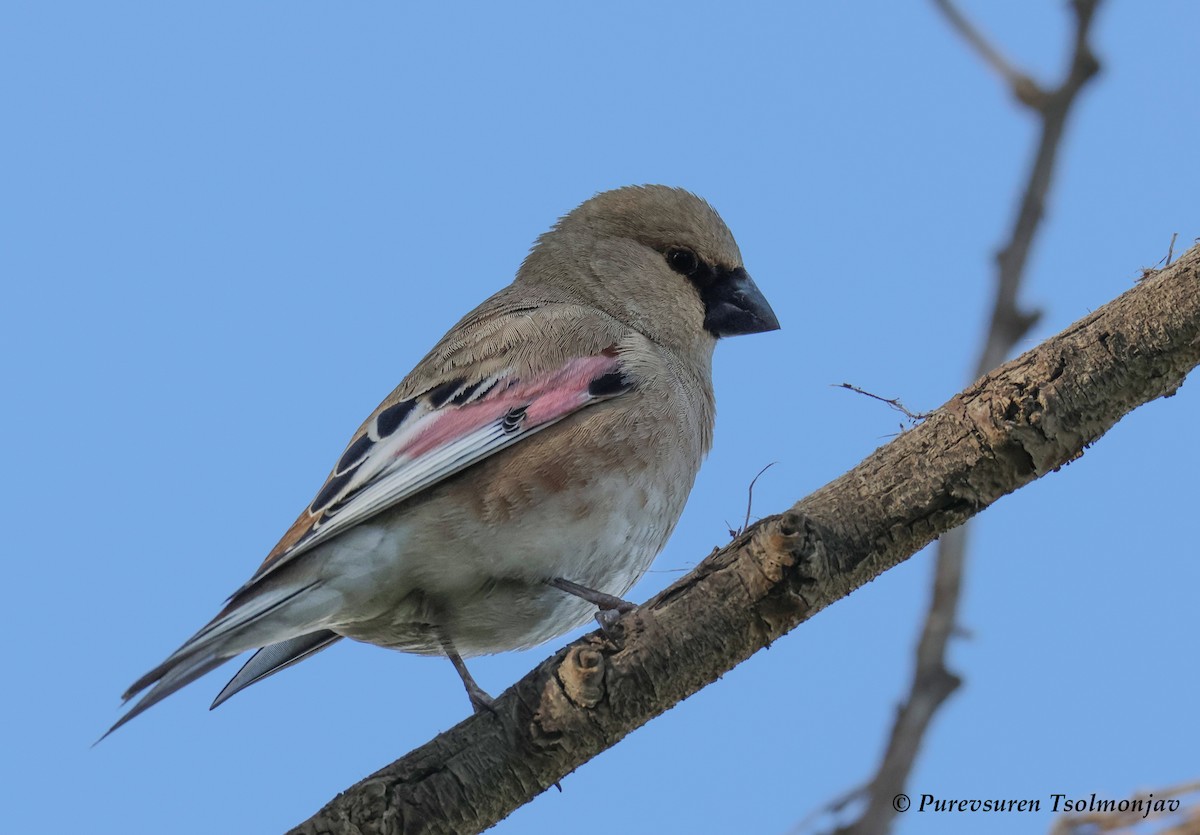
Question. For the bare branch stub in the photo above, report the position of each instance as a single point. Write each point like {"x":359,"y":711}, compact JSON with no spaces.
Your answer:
{"x":932,"y":681}
{"x":1163,"y":262}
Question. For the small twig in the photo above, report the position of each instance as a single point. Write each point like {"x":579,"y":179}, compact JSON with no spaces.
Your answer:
{"x":750,"y":495}
{"x":749,"y":503}
{"x":1023,"y":87}
{"x":894,"y":402}
{"x":1163,"y":262}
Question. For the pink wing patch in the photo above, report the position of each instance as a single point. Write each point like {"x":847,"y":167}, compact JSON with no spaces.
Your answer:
{"x":545,"y":399}
{"x":440,"y":433}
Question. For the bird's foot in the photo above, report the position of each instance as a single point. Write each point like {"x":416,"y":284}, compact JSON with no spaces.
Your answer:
{"x":609,"y":620}
{"x":611,"y":607}
{"x":481,"y":702}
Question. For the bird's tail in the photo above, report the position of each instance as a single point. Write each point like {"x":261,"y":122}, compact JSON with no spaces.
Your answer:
{"x":256,"y":617}
{"x":271,"y":659}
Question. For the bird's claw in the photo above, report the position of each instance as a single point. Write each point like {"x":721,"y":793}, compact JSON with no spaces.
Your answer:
{"x":482,"y":702}
{"x":609,"y":620}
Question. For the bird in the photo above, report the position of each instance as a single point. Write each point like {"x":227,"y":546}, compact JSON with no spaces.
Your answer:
{"x":525,"y":474}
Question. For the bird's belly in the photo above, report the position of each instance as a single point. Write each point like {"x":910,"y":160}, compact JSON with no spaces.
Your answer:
{"x":484,"y":584}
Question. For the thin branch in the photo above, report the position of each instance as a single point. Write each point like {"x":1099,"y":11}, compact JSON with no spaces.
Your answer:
{"x":894,"y":402}
{"x":1009,"y":324}
{"x":932,"y":681}
{"x":834,"y":807}
{"x":1017,"y":424}
{"x":750,"y":497}
{"x":1023,"y":87}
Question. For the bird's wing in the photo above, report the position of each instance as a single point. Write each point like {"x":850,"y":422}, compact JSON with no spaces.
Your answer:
{"x":415,"y":443}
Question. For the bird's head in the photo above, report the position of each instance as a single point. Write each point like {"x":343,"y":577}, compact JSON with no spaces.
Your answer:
{"x":659,"y":259}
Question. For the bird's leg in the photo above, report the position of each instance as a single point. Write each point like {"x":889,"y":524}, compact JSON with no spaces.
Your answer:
{"x":480,"y":700}
{"x":606,"y":602}
{"x":611,"y":607}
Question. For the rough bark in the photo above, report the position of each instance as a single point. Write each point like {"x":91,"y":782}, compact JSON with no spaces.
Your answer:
{"x":1023,"y":420}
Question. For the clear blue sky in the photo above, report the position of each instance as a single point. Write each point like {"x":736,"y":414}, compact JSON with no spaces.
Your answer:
{"x":228,"y":229}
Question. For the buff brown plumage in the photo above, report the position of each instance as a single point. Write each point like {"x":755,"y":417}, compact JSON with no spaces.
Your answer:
{"x":525,"y":474}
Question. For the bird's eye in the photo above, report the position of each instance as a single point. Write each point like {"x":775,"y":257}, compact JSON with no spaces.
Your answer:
{"x":682,"y":261}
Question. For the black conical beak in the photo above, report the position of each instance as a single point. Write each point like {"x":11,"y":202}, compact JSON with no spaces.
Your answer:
{"x":734,"y":305}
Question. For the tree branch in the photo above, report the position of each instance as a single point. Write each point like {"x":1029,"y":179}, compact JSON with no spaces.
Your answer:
{"x":933,"y":682}
{"x":1018,"y":423}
